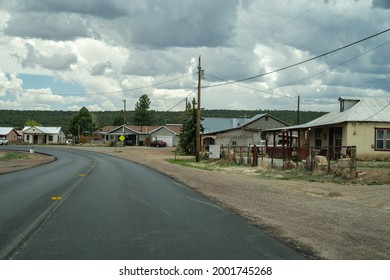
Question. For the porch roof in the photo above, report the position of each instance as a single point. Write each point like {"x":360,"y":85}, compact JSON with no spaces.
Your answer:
{"x":365,"y":110}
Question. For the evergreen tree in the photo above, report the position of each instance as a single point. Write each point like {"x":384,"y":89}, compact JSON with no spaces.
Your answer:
{"x":81,"y":121}
{"x":118,"y":121}
{"x":187,"y":140}
{"x":142,"y":115}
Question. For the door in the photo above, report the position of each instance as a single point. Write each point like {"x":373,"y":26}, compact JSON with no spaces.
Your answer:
{"x":335,"y":141}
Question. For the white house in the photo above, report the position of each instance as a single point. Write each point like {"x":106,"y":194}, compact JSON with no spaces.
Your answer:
{"x":43,"y":135}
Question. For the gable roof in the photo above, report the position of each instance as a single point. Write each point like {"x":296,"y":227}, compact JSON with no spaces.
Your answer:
{"x":44,"y":129}
{"x":243,"y":125}
{"x":6,"y":130}
{"x":358,"y":110}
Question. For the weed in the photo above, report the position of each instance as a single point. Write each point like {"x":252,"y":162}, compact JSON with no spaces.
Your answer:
{"x":14,"y":155}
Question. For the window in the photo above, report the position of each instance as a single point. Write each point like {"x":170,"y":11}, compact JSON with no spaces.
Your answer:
{"x":382,"y":139}
{"x":318,"y":137}
{"x":234,"y":143}
{"x":51,"y":138}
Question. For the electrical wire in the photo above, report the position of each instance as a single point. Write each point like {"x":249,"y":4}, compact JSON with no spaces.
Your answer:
{"x":182,"y":100}
{"x":299,"y":63}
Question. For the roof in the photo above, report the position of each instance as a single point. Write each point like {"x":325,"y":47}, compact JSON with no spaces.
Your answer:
{"x":359,"y":110}
{"x":44,"y":129}
{"x":144,"y":129}
{"x":105,"y":129}
{"x":211,"y":125}
{"x":5,"y":130}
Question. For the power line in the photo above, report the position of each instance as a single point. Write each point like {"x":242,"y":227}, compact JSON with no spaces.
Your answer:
{"x":299,"y":63}
{"x":182,"y":100}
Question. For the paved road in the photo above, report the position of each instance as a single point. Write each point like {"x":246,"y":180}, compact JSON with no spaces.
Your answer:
{"x":116,"y":209}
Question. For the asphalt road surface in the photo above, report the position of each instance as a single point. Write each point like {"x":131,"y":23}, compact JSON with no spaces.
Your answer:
{"x":115,"y":209}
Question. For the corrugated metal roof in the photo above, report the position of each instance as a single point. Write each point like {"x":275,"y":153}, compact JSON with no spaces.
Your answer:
{"x":365,"y":110}
{"x":45,"y":129}
{"x":219,"y":124}
{"x":5,"y":130}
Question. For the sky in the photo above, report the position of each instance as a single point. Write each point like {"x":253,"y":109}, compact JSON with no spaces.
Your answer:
{"x":63,"y":55}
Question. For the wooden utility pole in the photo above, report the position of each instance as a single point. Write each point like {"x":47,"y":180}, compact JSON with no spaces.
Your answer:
{"x":197,"y":150}
{"x":124,"y":121}
{"x":298,"y":119}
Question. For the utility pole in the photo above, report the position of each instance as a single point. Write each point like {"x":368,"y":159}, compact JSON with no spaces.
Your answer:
{"x":298,"y":120}
{"x":124,"y":121}
{"x":197,"y":149}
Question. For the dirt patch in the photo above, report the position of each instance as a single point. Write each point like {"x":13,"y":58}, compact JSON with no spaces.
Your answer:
{"x":21,"y":160}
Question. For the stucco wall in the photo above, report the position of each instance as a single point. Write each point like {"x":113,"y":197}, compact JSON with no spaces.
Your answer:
{"x":239,"y":136}
{"x":361,"y":135}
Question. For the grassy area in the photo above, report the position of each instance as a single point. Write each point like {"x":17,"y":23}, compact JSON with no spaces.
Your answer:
{"x":376,"y":173}
{"x":13,"y":155}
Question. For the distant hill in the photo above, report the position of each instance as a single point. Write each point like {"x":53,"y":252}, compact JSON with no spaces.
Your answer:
{"x":17,"y":119}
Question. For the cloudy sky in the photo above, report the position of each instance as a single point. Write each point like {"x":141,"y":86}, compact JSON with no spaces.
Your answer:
{"x":62,"y":55}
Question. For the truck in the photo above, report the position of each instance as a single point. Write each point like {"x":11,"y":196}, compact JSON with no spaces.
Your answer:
{"x":3,"y":141}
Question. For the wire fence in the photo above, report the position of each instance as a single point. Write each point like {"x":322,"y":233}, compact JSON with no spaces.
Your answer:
{"x":338,"y":159}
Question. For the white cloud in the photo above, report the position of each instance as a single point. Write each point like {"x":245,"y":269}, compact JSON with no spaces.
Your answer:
{"x":118,"y":49}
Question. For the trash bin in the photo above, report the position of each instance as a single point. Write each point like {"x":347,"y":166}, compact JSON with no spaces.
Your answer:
{"x":140,"y":143}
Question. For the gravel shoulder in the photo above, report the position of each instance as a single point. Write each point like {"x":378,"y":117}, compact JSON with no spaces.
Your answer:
{"x":321,"y":220}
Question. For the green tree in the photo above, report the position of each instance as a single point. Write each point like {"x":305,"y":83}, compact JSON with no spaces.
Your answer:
{"x":31,"y":122}
{"x":81,"y":121}
{"x":118,"y":120}
{"x":142,"y":115}
{"x":187,"y":140}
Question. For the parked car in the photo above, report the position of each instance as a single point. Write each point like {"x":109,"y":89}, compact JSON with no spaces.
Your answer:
{"x":3,"y":141}
{"x":129,"y":142}
{"x":158,"y":143}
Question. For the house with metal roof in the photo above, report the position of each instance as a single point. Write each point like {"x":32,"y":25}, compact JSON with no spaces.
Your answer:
{"x":360,"y":122}
{"x":43,"y":135}
{"x":237,"y":131}
{"x":9,"y":133}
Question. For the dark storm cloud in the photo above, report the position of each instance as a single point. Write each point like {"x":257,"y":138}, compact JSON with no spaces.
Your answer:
{"x":384,"y":4}
{"x":46,"y":26}
{"x":98,"y":8}
{"x":183,"y":23}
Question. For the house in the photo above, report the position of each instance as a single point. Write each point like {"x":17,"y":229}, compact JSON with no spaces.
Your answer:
{"x":43,"y":135}
{"x":237,"y":131}
{"x":9,"y":133}
{"x":360,"y":122}
{"x":142,"y":135}
{"x":169,"y":133}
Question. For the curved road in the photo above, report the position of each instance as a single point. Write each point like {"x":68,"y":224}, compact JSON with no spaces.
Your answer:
{"x":116,"y":209}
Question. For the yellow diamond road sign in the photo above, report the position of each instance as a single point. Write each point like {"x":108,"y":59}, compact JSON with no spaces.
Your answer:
{"x":122,"y":138}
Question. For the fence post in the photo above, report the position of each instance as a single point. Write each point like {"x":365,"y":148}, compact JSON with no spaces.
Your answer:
{"x":352,"y":167}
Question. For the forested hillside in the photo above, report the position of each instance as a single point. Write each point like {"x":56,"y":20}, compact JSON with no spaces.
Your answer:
{"x":17,"y":119}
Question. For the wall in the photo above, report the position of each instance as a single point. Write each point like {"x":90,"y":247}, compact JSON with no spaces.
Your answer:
{"x":240,"y":136}
{"x":363,"y":136}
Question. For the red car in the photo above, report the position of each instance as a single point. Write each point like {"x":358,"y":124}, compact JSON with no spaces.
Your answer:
{"x":158,"y":143}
